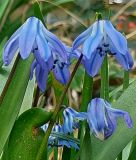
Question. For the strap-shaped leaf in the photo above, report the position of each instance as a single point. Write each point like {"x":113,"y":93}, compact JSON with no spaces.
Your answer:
{"x":10,"y":106}
{"x":26,"y":136}
{"x":109,"y":149}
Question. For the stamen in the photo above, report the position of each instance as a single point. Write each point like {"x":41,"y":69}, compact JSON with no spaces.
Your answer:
{"x":106,"y":45}
{"x":100,"y":49}
{"x":110,"y":53}
{"x":55,"y":61}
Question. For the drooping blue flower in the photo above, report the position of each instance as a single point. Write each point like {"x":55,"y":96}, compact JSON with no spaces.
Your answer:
{"x":55,"y":63}
{"x":100,"y":39}
{"x":32,"y":36}
{"x":71,"y":119}
{"x":102,"y":118}
{"x":57,"y":138}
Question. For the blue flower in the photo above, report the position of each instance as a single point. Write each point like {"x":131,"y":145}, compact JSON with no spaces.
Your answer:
{"x":98,"y":40}
{"x":71,"y":119}
{"x":55,"y":63}
{"x":57,"y":137}
{"x":33,"y":37}
{"x":102,"y":119}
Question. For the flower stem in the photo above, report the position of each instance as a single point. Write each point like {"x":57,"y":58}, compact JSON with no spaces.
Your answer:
{"x":86,"y":97}
{"x":105,"y":80}
{"x":9,"y":79}
{"x":44,"y":144}
{"x":36,"y":97}
{"x":126,"y":80}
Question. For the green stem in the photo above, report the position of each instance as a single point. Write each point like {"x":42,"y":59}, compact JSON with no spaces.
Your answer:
{"x":105,"y":80}
{"x":53,"y":119}
{"x":36,"y":97}
{"x":126,"y":80}
{"x":9,"y":79}
{"x":86,"y":97}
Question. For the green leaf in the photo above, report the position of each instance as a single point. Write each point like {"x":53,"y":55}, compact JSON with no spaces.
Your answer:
{"x":110,"y":148}
{"x":26,"y":136}
{"x":10,"y":106}
{"x":66,"y":153}
{"x":3,"y":5}
{"x":28,"y":98}
{"x":85,"y":154}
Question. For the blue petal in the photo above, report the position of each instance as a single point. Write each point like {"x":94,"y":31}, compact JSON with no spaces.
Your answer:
{"x":93,"y":64}
{"x":125,"y":59}
{"x":116,"y":37}
{"x":27,"y":36}
{"x":81,"y":38}
{"x":115,"y":113}
{"x":62,"y":74}
{"x":43,"y":46}
{"x":64,"y":143}
{"x":41,"y":77}
{"x":68,"y":122}
{"x":75,"y":114}
{"x":11,"y":47}
{"x":96,"y":117}
{"x":42,"y":63}
{"x":55,"y":42}
{"x":94,"y":39}
{"x":33,"y":66}
{"x":74,"y":145}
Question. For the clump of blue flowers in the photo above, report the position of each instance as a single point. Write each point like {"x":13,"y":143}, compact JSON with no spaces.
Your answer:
{"x":101,"y":118}
{"x":52,"y":55}
{"x":100,"y":39}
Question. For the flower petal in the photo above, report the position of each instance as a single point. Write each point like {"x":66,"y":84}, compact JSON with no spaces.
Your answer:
{"x":42,"y":63}
{"x":93,"y":64}
{"x":93,"y":40}
{"x":27,"y":36}
{"x":96,"y":117}
{"x":41,"y":77}
{"x":43,"y":46}
{"x":81,"y":38}
{"x":55,"y":42}
{"x":62,"y":73}
{"x":75,"y":114}
{"x":68,"y":122}
{"x":33,"y":66}
{"x":125,"y":61}
{"x":116,"y":37}
{"x":115,"y":113}
{"x":11,"y":47}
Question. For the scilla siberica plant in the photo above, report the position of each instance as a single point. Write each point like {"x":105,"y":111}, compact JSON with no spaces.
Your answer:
{"x":51,"y":54}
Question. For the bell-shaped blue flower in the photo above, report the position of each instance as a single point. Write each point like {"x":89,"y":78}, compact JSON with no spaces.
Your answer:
{"x":30,"y":37}
{"x":57,"y":138}
{"x":71,"y":119}
{"x":102,"y":118}
{"x":55,"y":63}
{"x":100,"y":39}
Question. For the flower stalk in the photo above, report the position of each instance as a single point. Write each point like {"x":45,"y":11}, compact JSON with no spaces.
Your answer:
{"x":126,"y":80}
{"x":86,"y":97}
{"x":105,"y":80}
